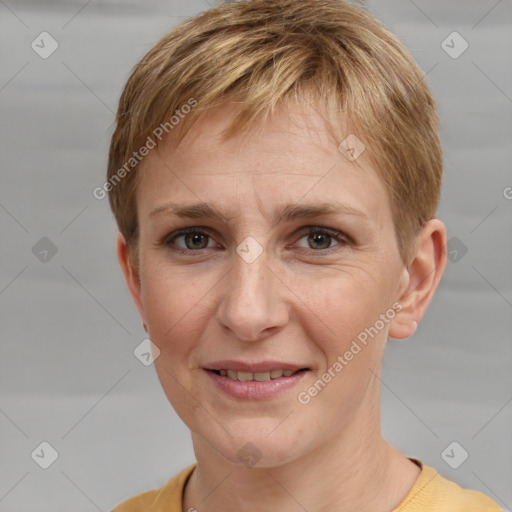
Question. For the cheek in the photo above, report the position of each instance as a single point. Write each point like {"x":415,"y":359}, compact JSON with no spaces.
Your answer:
{"x":172,"y":304}
{"x":174,"y":316}
{"x":342,"y":313}
{"x":339,"y":304}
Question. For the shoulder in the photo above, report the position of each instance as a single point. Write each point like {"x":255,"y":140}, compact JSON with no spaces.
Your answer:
{"x":434,"y":493}
{"x":168,"y":498}
{"x":137,"y":503}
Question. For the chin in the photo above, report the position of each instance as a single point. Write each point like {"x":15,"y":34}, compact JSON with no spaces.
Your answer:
{"x":259,"y":448}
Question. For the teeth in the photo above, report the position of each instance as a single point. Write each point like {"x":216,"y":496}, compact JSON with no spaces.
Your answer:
{"x":258,"y":376}
{"x":262,"y":376}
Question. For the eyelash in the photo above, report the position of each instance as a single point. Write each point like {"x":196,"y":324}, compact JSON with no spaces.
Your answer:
{"x":341,"y":238}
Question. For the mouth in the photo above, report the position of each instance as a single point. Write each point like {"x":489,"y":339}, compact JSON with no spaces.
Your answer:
{"x":255,"y":381}
{"x":257,"y":376}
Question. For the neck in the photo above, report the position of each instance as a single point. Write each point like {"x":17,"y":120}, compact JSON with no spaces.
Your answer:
{"x":356,"y":471}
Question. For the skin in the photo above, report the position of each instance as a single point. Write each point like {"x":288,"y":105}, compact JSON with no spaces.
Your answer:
{"x":303,"y":300}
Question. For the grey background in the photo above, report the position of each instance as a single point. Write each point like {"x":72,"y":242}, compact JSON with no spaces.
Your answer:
{"x":68,"y":375}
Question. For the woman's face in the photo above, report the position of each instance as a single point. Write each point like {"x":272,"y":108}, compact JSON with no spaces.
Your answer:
{"x":267,"y":283}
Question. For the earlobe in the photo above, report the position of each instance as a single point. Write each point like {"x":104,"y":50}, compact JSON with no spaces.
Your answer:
{"x":131,"y":274}
{"x":423,"y":275}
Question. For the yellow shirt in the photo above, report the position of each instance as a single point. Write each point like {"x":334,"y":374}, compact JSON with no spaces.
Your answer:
{"x":430,"y":493}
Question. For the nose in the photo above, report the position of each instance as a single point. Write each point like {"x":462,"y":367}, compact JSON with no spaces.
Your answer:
{"x":253,"y":306}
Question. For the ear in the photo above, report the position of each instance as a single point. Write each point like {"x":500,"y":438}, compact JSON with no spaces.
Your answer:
{"x":420,"y":279}
{"x":131,"y":274}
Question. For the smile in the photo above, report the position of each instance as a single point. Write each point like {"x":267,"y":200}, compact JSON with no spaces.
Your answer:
{"x":261,"y":385}
{"x":258,"y":376}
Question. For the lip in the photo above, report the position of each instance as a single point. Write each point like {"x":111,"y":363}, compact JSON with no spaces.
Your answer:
{"x":255,"y":390}
{"x":263,"y":366}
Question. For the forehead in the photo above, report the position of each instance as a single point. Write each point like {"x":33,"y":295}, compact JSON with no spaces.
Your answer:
{"x":289,"y":157}
{"x":296,"y":132}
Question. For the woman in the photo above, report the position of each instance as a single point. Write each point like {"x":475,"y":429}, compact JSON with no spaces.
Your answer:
{"x":275,"y":173}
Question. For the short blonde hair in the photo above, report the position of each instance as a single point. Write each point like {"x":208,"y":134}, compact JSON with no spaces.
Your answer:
{"x":258,"y":53}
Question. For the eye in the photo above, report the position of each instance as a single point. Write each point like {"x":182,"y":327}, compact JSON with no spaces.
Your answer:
{"x":189,"y":240}
{"x":318,"y":238}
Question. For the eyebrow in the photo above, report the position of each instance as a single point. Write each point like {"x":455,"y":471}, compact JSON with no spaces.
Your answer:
{"x":288,"y":213}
